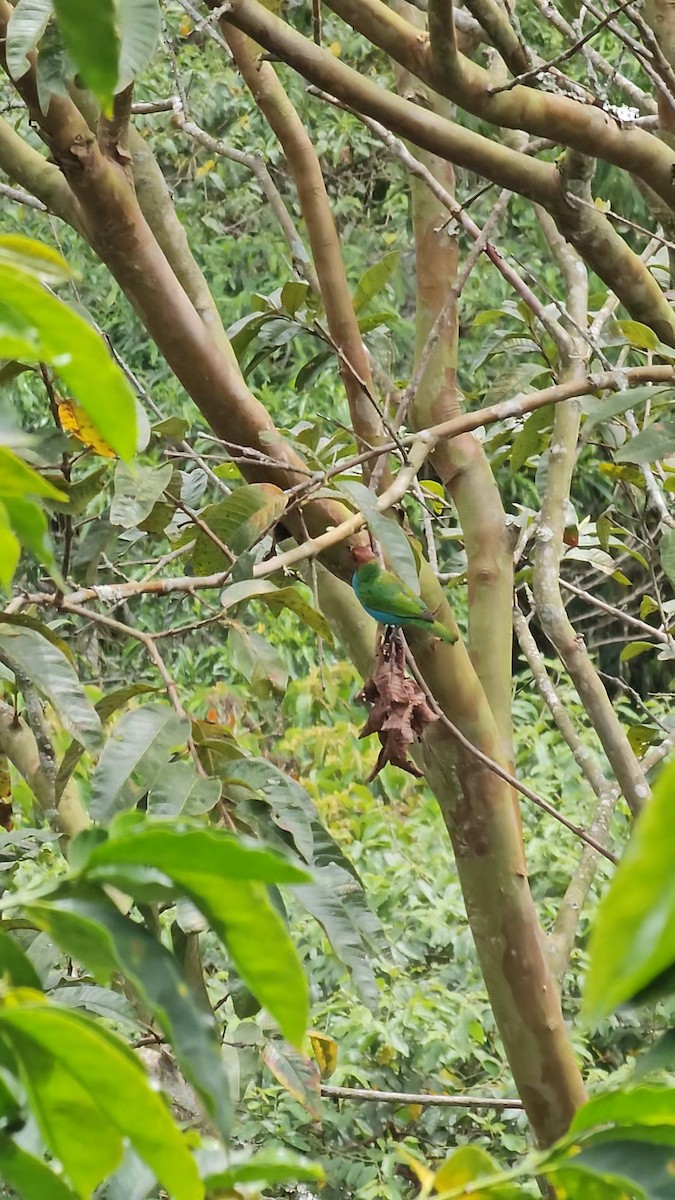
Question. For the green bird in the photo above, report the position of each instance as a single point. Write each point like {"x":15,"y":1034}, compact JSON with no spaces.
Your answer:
{"x":389,"y":600}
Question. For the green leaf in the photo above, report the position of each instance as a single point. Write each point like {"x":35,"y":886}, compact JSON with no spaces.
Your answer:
{"x":32,"y":655}
{"x":287,"y":597}
{"x":627,"y":1107}
{"x":237,"y":521}
{"x":69,"y":344}
{"x":633,"y":649}
{"x":598,"y":411}
{"x":137,"y":750}
{"x":471,"y":1164}
{"x":89,"y":33}
{"x":173,"y":428}
{"x":387,"y":531}
{"x":15,"y":966}
{"x":140,"y":29}
{"x":18,"y":480}
{"x":45,"y":263}
{"x":259,"y":662}
{"x":638,"y":335}
{"x":667,"y":555}
{"x":26,"y":26}
{"x":220,"y":875}
{"x":179,"y":789}
{"x":633,"y":937}
{"x":74,"y":923}
{"x":137,"y":490}
{"x":105,"y":708}
{"x":529,"y":441}
{"x":375,"y":279}
{"x":10,"y":550}
{"x":29,"y":1176}
{"x":273,"y":1165}
{"x":655,"y":442}
{"x":91,"y":1092}
{"x":29,"y":523}
{"x":631,"y":1163}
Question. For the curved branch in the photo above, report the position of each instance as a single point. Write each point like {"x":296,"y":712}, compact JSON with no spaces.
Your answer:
{"x":582,"y":127}
{"x":589,"y":231}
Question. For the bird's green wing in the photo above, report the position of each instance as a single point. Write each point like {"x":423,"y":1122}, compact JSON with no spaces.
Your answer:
{"x":388,"y":594}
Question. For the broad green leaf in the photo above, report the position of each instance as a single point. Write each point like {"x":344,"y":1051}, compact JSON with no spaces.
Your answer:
{"x":29,"y":1177}
{"x":335,"y":897}
{"x":103,"y":1095}
{"x":74,"y":1127}
{"x":286,"y":597}
{"x":105,"y":708}
{"x":140,"y":30}
{"x":180,"y":790}
{"x":259,"y":662}
{"x":18,"y":480}
{"x":655,"y":442}
{"x":16,"y":969}
{"x":25,"y":28}
{"x":29,"y":523}
{"x":633,"y":649}
{"x":43,"y":262}
{"x":293,"y":296}
{"x":629,"y":1107}
{"x":69,"y":344}
{"x":238,"y":521}
{"x":219,"y":874}
{"x":89,"y":31}
{"x":629,"y":1163}
{"x":667,"y":555}
{"x":374,"y":280}
{"x":328,"y":901}
{"x":39,"y":660}
{"x":101,"y":1001}
{"x":529,"y":440}
{"x":395,"y":545}
{"x":10,"y":550}
{"x":54,"y":67}
{"x":633,"y":936}
{"x":76,"y":922}
{"x":273,"y":1165}
{"x":185,"y":854}
{"x":22,"y":620}
{"x":617,"y":403}
{"x":638,"y":335}
{"x":137,"y":750}
{"x":137,"y":490}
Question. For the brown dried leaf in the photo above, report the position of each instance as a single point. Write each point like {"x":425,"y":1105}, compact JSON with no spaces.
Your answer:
{"x":399,"y":713}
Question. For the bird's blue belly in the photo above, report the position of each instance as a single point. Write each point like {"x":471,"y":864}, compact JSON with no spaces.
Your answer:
{"x":383,"y":617}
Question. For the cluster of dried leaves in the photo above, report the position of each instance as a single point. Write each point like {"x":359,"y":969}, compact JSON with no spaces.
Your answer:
{"x":400,"y":711}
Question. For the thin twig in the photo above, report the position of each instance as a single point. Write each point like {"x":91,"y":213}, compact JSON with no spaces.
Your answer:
{"x":422,"y":1098}
{"x":501,"y":771}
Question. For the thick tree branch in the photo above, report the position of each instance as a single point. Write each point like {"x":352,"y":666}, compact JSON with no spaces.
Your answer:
{"x":544,"y":114}
{"x":590,"y":232}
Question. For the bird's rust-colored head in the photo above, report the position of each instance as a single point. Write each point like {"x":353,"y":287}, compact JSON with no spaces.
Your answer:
{"x":363,"y":553}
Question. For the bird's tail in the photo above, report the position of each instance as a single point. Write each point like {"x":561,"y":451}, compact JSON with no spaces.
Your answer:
{"x":442,"y":632}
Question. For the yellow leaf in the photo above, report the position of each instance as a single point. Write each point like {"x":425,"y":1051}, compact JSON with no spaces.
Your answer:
{"x":425,"y":1176}
{"x":415,"y":1111}
{"x":74,"y":420}
{"x":325,"y":1051}
{"x":335,"y":48}
{"x":205,"y":168}
{"x":185,"y":27}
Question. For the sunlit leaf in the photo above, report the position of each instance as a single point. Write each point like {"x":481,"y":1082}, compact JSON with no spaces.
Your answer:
{"x":633,"y":935}
{"x":74,"y":420}
{"x":93,"y":1093}
{"x":69,"y":344}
